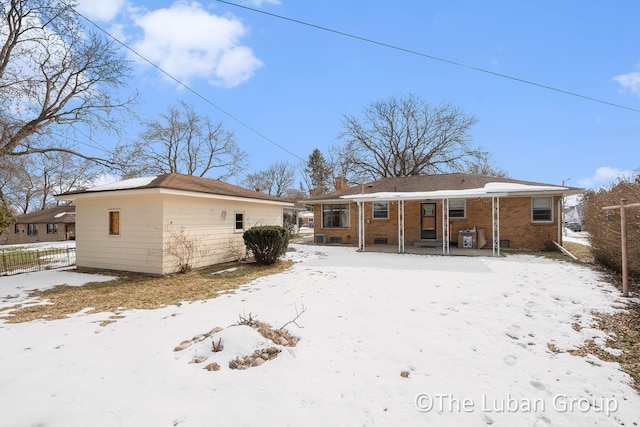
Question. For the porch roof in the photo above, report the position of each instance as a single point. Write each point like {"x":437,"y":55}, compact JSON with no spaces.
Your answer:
{"x":491,"y":189}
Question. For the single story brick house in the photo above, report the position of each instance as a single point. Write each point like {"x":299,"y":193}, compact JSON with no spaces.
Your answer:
{"x":46,"y":225}
{"x":444,"y":210}
{"x":144,"y":224}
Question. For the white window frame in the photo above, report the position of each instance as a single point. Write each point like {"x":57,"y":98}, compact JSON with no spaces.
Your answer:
{"x":345,"y":221}
{"x":464,"y":208}
{"x":535,"y":208}
{"x":242,"y":221}
{"x":374,"y":210}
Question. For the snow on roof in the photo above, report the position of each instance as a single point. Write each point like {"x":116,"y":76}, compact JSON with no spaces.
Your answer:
{"x":127,"y":183}
{"x":491,"y":189}
{"x":61,"y":214}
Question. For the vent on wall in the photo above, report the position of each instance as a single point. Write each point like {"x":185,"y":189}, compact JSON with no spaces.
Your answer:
{"x":335,"y":240}
{"x":320,"y":238}
{"x":380,"y":241}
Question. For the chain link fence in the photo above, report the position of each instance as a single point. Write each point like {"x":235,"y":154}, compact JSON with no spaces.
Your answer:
{"x":15,"y":262}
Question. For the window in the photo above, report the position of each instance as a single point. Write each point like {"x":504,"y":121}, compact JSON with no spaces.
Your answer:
{"x":457,"y":208}
{"x":114,"y":223}
{"x":52,"y":228}
{"x":16,"y":229}
{"x":239,"y":221}
{"x":335,"y":216}
{"x":542,"y":209}
{"x":380,"y":210}
{"x":32,"y":229}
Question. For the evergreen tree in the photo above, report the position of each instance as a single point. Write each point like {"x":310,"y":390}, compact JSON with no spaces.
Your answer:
{"x":318,"y":173}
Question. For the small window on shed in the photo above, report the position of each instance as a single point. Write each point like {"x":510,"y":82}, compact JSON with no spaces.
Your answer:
{"x":114,"y":223}
{"x":239,"y":221}
{"x":16,"y":229}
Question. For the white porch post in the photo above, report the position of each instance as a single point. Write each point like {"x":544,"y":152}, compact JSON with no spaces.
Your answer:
{"x":495,"y":219}
{"x":401,"y":226}
{"x":445,"y":226}
{"x":361,"y":226}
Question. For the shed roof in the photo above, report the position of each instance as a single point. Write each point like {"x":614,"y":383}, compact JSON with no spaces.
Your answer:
{"x":181,"y":182}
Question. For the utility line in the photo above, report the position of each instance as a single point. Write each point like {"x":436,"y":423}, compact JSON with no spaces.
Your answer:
{"x":187,"y":87}
{"x":435,"y":58}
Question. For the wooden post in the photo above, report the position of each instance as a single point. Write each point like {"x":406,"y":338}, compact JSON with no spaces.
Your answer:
{"x":623,"y":241}
{"x":623,"y":248}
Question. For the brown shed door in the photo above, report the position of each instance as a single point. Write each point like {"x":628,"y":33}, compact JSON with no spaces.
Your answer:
{"x":428,"y":221}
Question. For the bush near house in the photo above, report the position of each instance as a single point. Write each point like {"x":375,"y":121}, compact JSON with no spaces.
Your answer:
{"x":604,"y":226}
{"x":267,"y":243}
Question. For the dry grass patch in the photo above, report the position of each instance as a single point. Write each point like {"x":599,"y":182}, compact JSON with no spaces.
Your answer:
{"x":133,"y":291}
{"x":624,"y":329}
{"x":582,"y":252}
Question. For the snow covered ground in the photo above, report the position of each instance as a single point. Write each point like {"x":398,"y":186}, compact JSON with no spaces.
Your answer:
{"x":474,"y":334}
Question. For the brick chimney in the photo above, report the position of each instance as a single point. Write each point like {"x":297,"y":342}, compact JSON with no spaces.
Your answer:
{"x":341,"y":183}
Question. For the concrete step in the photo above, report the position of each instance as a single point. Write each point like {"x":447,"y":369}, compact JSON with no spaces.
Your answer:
{"x":427,"y":244}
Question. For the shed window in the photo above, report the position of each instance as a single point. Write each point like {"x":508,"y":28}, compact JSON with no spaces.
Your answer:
{"x":16,"y":229}
{"x":32,"y":229}
{"x":52,"y":228}
{"x":542,"y":209}
{"x":457,"y":208}
{"x":380,"y":210}
{"x":114,"y":223}
{"x":239,"y":221}
{"x":335,"y":216}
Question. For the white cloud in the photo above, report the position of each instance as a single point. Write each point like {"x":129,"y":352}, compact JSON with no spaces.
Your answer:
{"x":100,"y":10}
{"x":604,"y":176}
{"x":629,"y":82}
{"x":189,"y":43}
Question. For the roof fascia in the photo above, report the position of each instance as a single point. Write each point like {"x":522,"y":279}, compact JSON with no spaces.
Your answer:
{"x":166,"y":191}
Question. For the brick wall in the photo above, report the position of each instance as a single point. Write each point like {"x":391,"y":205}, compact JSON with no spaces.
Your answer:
{"x":515,"y":223}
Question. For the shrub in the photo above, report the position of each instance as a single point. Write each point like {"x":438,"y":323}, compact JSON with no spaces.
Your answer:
{"x":604,"y":226}
{"x":267,"y":243}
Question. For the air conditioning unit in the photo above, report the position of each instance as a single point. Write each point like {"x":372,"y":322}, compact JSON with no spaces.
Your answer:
{"x":320,"y":238}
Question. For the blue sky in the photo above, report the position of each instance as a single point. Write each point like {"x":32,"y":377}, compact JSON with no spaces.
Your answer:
{"x":293,"y":83}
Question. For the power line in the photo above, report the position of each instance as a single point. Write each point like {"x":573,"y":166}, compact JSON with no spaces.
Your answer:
{"x":435,"y":58}
{"x":187,"y":87}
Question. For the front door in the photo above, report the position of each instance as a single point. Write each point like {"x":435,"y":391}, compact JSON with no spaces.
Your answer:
{"x":428,"y":221}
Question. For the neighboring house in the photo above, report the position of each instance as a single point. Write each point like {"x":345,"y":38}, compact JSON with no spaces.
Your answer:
{"x":574,"y":213}
{"x":464,"y":210}
{"x":47,"y":225}
{"x":143,"y":224}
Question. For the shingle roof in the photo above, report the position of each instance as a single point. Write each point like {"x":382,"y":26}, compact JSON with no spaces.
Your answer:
{"x":57,"y":215}
{"x":177,"y":181}
{"x":423,"y":183}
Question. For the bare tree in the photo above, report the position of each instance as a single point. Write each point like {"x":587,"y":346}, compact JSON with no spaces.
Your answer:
{"x":404,"y":137}
{"x":481,"y":164}
{"x":182,"y":141}
{"x":29,"y":182}
{"x":276,"y":180}
{"x":54,"y":74}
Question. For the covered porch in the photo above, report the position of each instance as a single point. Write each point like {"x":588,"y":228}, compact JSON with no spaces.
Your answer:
{"x":492,"y":193}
